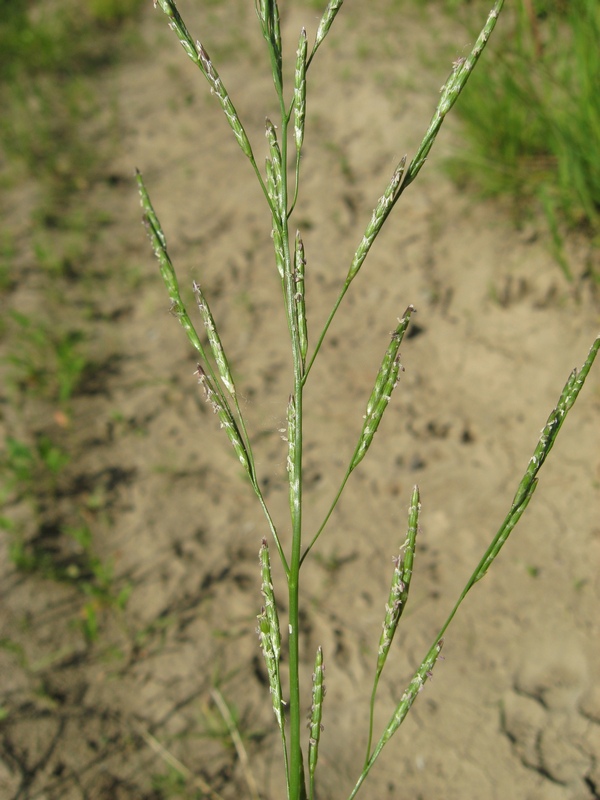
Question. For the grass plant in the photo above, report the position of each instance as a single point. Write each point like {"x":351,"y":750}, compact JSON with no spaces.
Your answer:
{"x":280,"y":184}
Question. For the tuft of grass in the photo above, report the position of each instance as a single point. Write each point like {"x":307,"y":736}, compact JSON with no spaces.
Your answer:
{"x":47,"y":362}
{"x":533,"y":119}
{"x":58,"y":551}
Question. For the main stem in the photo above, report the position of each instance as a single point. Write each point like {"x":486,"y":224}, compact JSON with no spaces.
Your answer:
{"x":297,"y":789}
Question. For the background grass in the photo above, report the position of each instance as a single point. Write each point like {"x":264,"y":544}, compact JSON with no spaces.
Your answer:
{"x":532,"y":120}
{"x":56,"y":137}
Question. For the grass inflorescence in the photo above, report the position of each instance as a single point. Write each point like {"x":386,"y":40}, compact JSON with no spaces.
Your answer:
{"x":280,"y":183}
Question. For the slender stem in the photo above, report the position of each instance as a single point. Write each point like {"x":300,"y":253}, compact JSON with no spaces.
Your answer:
{"x":328,"y":515}
{"x":371,"y":718}
{"x":272,"y":527}
{"x":297,"y":789}
{"x":326,"y":328}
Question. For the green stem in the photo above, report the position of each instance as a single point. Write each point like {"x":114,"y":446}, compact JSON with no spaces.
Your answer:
{"x":326,"y":328}
{"x":297,"y":788}
{"x":328,"y":515}
{"x":371,"y":718}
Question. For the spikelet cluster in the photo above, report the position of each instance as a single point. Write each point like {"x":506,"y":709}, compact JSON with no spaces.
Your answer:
{"x":386,"y":381}
{"x":414,"y":687}
{"x":269,"y":634}
{"x":300,"y":90}
{"x":299,"y":298}
{"x":226,"y":419}
{"x":316,"y":713}
{"x":400,"y":585}
{"x":214,"y":339}
{"x":379,"y":216}
{"x":198,"y":54}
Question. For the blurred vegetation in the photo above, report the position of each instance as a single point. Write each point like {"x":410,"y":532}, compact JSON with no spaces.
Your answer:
{"x":58,"y":131}
{"x":532,"y":117}
{"x":50,"y":53}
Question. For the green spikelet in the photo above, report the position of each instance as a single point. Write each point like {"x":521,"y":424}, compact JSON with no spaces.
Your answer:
{"x":200,"y":57}
{"x":379,"y":216}
{"x":167,"y":271}
{"x":316,"y":713}
{"x":220,"y":407}
{"x":325,"y":24}
{"x":400,"y":583}
{"x":269,"y":635}
{"x":214,"y":339}
{"x":299,"y":267}
{"x":385,"y":383}
{"x":300,"y":91}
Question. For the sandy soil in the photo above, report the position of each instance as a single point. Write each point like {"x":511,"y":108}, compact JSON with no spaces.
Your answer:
{"x":514,"y":708}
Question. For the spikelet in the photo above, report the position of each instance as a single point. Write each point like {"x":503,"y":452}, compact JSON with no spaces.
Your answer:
{"x":226,"y":418}
{"x":268,"y":14}
{"x":223,"y":97}
{"x":461,"y":69}
{"x":167,"y":271}
{"x":379,"y":216}
{"x":269,"y":598}
{"x":385,"y":383}
{"x":546,"y":441}
{"x":400,"y":583}
{"x":276,"y":230}
{"x":293,"y":475}
{"x":177,"y":24}
{"x":200,"y":57}
{"x":325,"y":24}
{"x":409,"y":696}
{"x":299,"y":268}
{"x":275,"y":185}
{"x":300,"y":91}
{"x":316,"y":713}
{"x":269,"y":635}
{"x":214,"y":339}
